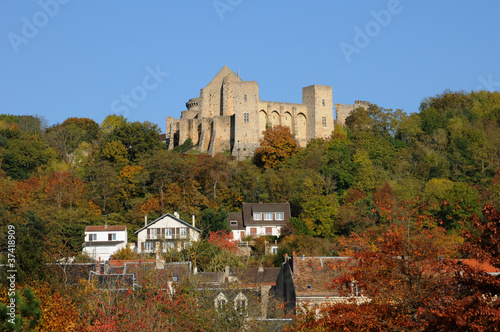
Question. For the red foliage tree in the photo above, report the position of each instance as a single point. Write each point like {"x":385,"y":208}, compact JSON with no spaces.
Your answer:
{"x":222,"y":239}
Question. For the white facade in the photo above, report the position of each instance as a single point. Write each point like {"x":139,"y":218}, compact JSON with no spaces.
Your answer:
{"x":256,"y":231}
{"x":103,"y":241}
{"x":165,"y":233}
{"x":259,"y":219}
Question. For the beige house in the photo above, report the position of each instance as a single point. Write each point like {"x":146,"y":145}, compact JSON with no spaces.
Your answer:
{"x":166,"y":233}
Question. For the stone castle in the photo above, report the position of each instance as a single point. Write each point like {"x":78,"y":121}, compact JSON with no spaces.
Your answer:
{"x":229,"y":116}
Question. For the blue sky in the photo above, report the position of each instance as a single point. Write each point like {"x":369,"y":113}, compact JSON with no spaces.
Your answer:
{"x":69,"y":58}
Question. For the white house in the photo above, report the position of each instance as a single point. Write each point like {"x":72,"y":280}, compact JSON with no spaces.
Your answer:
{"x":103,"y":241}
{"x":166,"y":232}
{"x":259,"y":219}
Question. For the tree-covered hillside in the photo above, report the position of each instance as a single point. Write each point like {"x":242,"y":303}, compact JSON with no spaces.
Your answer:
{"x":79,"y":173}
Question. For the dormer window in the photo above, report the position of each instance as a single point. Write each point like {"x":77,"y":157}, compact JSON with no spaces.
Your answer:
{"x":257,"y":216}
{"x":233,"y":223}
{"x":112,"y":237}
{"x":268,"y":216}
{"x":279,"y":215}
{"x":92,"y":237}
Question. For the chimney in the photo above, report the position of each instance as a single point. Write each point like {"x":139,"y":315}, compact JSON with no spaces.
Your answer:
{"x":146,"y":220}
{"x":194,"y":221}
{"x":226,"y":274}
{"x":106,"y":224}
{"x":261,"y":269}
{"x":294,"y":264}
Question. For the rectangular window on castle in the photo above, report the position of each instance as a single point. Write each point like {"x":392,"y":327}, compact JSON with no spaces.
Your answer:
{"x":323,"y":101}
{"x":246,"y":117}
{"x":245,"y":97}
{"x":324,"y":121}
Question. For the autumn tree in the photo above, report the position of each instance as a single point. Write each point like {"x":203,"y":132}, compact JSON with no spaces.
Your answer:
{"x":474,"y":305}
{"x":277,"y":145}
{"x":400,"y":273}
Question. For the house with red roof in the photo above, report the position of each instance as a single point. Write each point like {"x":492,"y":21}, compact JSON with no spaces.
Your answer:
{"x":103,"y":241}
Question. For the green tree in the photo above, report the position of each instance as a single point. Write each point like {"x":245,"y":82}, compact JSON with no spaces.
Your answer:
{"x":28,"y":312}
{"x":213,"y":221}
{"x":23,"y":155}
{"x":136,"y":137}
{"x":111,"y":122}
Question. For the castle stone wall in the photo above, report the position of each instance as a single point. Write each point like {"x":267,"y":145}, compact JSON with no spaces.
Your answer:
{"x":229,"y":116}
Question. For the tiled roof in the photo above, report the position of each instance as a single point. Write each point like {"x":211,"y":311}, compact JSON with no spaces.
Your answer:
{"x":169,"y":216}
{"x":488,"y":268}
{"x":104,"y":228}
{"x":256,"y":276}
{"x":250,"y":208}
{"x":238,"y":217}
{"x":312,"y":276}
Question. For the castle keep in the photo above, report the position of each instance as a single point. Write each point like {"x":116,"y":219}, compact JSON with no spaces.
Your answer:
{"x":229,"y":116}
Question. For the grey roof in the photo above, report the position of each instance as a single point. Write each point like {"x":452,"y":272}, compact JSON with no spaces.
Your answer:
{"x":237,"y":216}
{"x":250,"y":208}
{"x":171,"y":216}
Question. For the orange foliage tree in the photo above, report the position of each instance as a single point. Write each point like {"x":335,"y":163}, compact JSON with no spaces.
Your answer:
{"x":277,"y":145}
{"x":398,"y":274}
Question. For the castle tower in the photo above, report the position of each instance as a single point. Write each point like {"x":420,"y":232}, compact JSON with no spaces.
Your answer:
{"x":319,"y":101}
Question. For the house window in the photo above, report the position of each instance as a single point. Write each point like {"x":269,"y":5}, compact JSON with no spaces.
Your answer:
{"x":112,"y":237}
{"x":233,"y":223}
{"x":275,"y":250}
{"x":269,"y":231}
{"x":246,"y":117}
{"x":92,"y":237}
{"x":257,"y":216}
{"x":324,"y":121}
{"x":175,"y":278}
{"x":240,"y":304}
{"x":152,"y":233}
{"x":220,"y":302}
{"x":183,"y":233}
{"x":148,"y":246}
{"x":279,"y":215}
{"x":355,"y":289}
{"x":245,"y":97}
{"x":268,"y":216}
{"x":168,"y":233}
{"x":253,"y":231}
